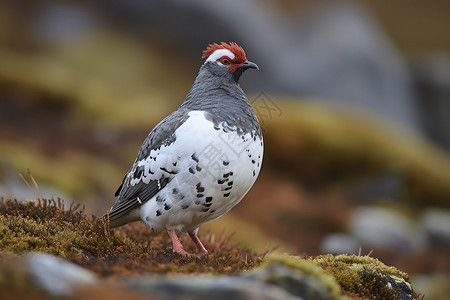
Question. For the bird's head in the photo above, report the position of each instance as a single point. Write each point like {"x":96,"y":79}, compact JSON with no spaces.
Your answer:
{"x":230,"y":57}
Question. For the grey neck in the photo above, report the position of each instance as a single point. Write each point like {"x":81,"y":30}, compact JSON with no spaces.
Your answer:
{"x":217,"y":92}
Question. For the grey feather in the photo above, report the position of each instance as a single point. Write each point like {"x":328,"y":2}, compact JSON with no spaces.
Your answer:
{"x":214,"y":91}
{"x":130,"y":197}
{"x":217,"y":92}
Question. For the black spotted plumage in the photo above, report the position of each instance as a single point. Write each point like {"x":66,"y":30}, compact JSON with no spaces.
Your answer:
{"x":172,"y":185}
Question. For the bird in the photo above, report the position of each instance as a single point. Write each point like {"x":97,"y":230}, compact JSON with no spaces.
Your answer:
{"x":201,"y":160}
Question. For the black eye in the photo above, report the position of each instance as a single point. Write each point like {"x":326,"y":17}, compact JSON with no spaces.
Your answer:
{"x":224,"y":60}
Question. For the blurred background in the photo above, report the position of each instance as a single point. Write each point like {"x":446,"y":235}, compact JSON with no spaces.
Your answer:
{"x":353,"y":98}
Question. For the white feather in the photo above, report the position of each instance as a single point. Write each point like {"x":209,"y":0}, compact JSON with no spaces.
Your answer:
{"x":211,"y":147}
{"x":219,"y":53}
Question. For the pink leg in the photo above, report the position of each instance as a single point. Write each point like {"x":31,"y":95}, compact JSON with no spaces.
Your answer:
{"x":177,"y":247}
{"x":201,"y":249}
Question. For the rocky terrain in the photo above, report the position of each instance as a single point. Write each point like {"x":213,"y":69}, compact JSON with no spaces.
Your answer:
{"x":353,"y":101}
{"x":49,"y":252}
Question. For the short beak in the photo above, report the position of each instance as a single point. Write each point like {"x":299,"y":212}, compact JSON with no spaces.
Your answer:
{"x":249,"y":65}
{"x":244,"y":66}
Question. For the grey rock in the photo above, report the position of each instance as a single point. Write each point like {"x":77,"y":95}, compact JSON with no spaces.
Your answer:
{"x":60,"y":22}
{"x":432,"y":81}
{"x":340,"y":243}
{"x":292,"y":280}
{"x":57,"y":276}
{"x":272,"y":281}
{"x":401,"y":287}
{"x":384,"y":228}
{"x":336,"y":52}
{"x":343,"y":56}
{"x":437,"y":225}
{"x":207,"y":287}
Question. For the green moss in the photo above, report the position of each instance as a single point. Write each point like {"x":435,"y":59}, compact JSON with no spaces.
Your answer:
{"x":310,"y":268}
{"x":47,"y":227}
{"x":346,"y":276}
{"x":362,"y":276}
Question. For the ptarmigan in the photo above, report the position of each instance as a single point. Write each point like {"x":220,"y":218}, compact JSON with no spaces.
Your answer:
{"x":201,"y":160}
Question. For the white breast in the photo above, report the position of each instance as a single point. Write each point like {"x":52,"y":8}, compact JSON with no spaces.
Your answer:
{"x":215,"y":171}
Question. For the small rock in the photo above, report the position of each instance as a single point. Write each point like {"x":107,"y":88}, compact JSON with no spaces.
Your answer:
{"x":57,"y":276}
{"x":207,"y":287}
{"x":287,"y":273}
{"x":401,"y":287}
{"x":437,"y":224}
{"x":384,"y":228}
{"x":340,"y":243}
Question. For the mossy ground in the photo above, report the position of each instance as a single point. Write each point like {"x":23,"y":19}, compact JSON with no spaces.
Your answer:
{"x":362,"y":276}
{"x":46,"y":226}
{"x":69,"y":233}
{"x":350,"y":276}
